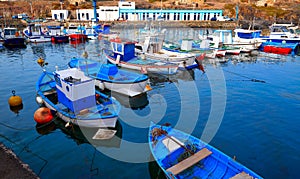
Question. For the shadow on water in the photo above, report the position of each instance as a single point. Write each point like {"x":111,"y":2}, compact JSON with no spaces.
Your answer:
{"x":81,"y":135}
{"x":154,"y":169}
{"x":158,"y":80}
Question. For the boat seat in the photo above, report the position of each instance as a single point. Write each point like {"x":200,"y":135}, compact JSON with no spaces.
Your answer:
{"x":242,"y":175}
{"x":188,"y":162}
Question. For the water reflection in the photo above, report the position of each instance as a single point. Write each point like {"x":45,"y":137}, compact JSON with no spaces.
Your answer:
{"x":135,"y":102}
{"x":158,"y":80}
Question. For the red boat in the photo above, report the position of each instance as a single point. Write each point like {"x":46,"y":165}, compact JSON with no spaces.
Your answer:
{"x":78,"y":37}
{"x":277,"y":50}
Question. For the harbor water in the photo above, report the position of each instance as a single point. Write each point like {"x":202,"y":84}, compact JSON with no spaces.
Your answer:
{"x":247,"y":108}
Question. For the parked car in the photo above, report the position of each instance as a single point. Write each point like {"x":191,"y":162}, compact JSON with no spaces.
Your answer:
{"x":223,"y":18}
{"x":213,"y":19}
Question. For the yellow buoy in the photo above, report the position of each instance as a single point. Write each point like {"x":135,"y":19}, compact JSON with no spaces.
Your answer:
{"x":41,"y":61}
{"x":85,"y":54}
{"x":14,"y":100}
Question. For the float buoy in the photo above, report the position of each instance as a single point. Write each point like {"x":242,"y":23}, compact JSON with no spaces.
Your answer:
{"x":85,"y":54}
{"x":43,"y":115}
{"x":144,"y":70}
{"x":39,"y":100}
{"x":14,"y":100}
{"x":41,"y":61}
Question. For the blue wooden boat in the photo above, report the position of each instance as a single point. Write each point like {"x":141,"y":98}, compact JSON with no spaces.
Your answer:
{"x":12,"y":38}
{"x":280,"y":48}
{"x":73,"y":96}
{"x":108,"y":76}
{"x":181,"y":155}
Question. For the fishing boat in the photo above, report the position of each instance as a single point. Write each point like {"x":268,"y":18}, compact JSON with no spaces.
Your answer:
{"x":281,"y":48}
{"x":73,"y":97}
{"x":283,"y":33}
{"x":223,"y":39}
{"x":35,"y":34}
{"x":197,"y":48}
{"x":123,"y":55}
{"x":151,"y":46}
{"x":108,"y":76}
{"x":57,"y":36}
{"x":12,"y":39}
{"x":181,"y":155}
{"x":76,"y":33}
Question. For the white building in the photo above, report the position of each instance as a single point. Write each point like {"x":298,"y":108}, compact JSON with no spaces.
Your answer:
{"x":126,"y":5}
{"x":127,"y":11}
{"x":59,"y":14}
{"x":108,"y":13}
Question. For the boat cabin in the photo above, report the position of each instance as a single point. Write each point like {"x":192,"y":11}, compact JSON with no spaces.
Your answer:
{"x":75,"y":90}
{"x":10,"y":32}
{"x":247,"y":34}
{"x":55,"y":30}
{"x":107,"y":71}
{"x":123,"y":50}
{"x":221,"y":36}
{"x":35,"y":30}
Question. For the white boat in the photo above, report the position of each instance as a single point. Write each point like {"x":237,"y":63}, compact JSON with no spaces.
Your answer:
{"x":152,"y":47}
{"x":123,"y":55}
{"x":35,"y":34}
{"x":285,"y":33}
{"x":108,"y":76}
{"x":248,"y":37}
{"x":224,"y":40}
{"x":73,"y":96}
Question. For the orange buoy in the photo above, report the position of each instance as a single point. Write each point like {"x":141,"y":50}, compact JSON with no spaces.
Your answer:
{"x":43,"y":115}
{"x":41,"y":61}
{"x":14,"y":100}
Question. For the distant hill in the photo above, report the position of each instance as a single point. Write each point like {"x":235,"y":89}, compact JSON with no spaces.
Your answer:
{"x":281,"y":10}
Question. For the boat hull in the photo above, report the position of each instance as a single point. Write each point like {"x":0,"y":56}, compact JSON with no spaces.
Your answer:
{"x":158,"y":67}
{"x":129,"y":89}
{"x":60,"y":39}
{"x":109,"y":122}
{"x":17,"y":42}
{"x":184,"y":60}
{"x":39,"y":39}
{"x":78,"y":37}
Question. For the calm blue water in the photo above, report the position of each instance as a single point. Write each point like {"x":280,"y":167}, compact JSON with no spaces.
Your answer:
{"x":257,"y":122}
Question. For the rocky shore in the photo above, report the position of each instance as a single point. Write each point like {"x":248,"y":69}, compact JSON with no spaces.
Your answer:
{"x":12,"y":167}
